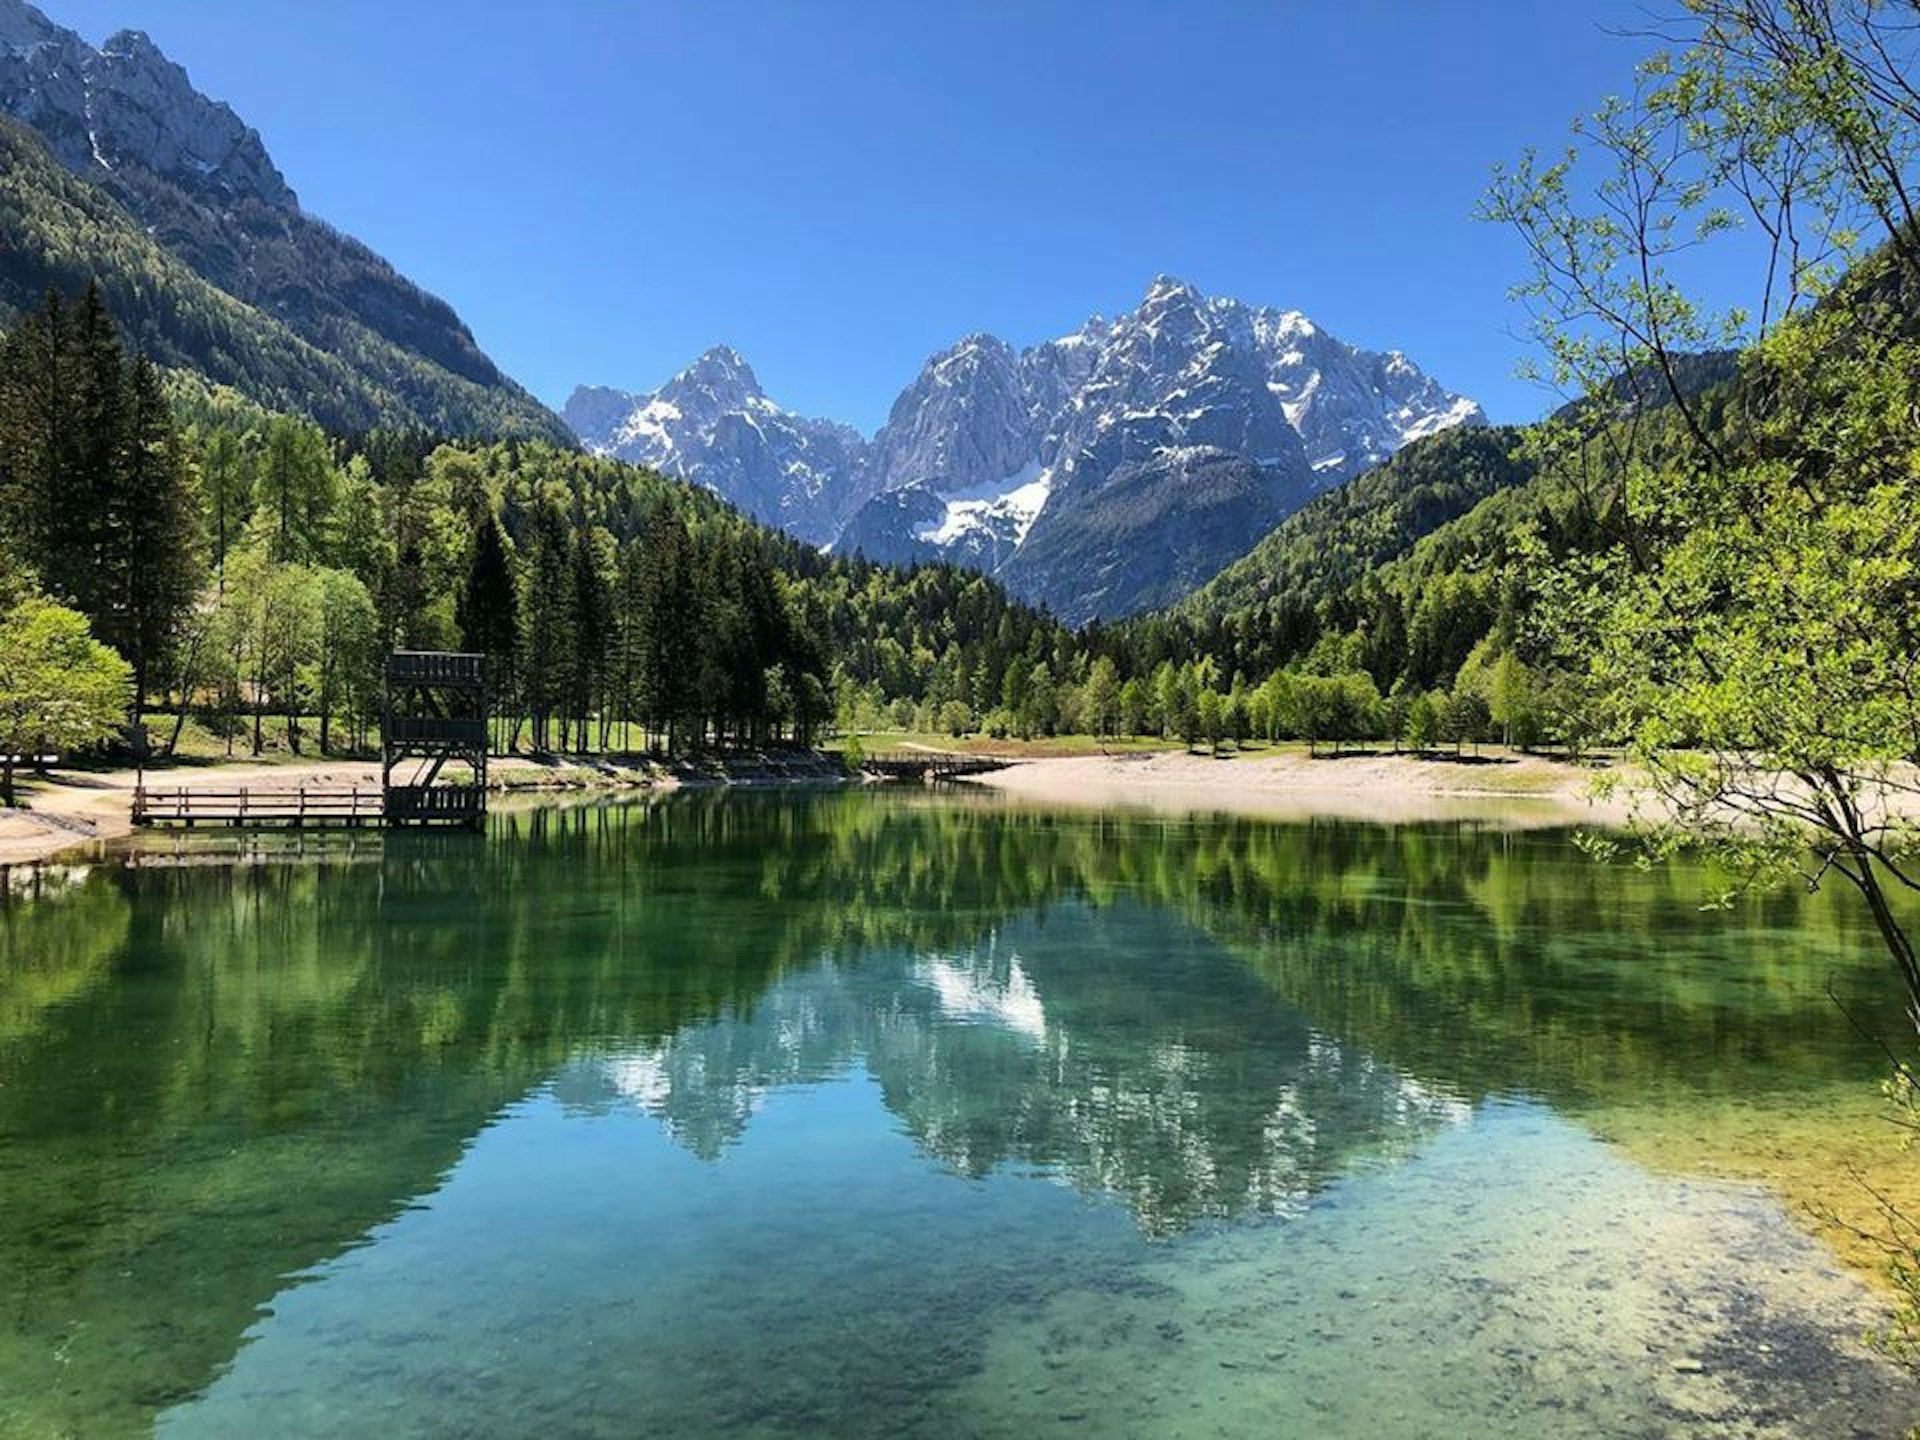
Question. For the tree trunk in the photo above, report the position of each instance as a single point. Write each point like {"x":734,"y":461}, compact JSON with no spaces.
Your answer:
{"x":6,"y":779}
{"x":1891,"y":933}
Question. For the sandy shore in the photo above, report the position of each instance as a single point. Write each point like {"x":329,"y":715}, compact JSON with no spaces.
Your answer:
{"x":1518,"y":790}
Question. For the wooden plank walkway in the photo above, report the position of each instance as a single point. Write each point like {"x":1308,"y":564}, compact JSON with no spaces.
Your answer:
{"x":276,"y":808}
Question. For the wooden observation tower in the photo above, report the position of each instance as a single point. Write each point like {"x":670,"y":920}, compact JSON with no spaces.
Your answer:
{"x":434,"y":715}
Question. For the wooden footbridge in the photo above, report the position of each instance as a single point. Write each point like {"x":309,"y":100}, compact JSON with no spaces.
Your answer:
{"x":927,"y":766}
{"x":433,"y":713}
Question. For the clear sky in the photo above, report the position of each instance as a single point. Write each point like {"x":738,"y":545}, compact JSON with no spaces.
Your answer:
{"x":604,"y":188}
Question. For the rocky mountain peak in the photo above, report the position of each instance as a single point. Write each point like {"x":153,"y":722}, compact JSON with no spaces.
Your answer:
{"x":713,"y":424}
{"x":720,"y":373}
{"x":970,"y":353}
{"x":132,"y":45}
{"x":23,"y":27}
{"x":1167,"y":290}
{"x":126,"y":104}
{"x":1171,"y":311}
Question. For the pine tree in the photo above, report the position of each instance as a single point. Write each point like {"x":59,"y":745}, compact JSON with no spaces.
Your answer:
{"x":592,"y":626}
{"x":95,"y":491}
{"x":630,"y":638}
{"x":666,"y":626}
{"x":488,"y":609}
{"x":81,"y":559}
{"x":36,"y":450}
{"x":149,"y":552}
{"x":548,"y":617}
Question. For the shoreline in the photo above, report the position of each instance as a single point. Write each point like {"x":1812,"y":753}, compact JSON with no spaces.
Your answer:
{"x":70,"y":810}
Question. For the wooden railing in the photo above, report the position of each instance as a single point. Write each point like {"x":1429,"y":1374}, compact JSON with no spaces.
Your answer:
{"x":435,"y":667}
{"x":435,"y":802}
{"x":404,"y":729}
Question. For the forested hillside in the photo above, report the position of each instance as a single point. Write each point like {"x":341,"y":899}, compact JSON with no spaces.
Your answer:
{"x":1311,"y":572}
{"x":57,"y":231}
{"x":114,"y":169}
{"x":246,"y":563}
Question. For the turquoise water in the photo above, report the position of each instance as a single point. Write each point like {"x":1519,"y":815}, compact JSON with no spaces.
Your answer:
{"x":845,"y":1115}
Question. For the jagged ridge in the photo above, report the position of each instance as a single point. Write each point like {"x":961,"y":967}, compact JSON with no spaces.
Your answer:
{"x":1101,"y":473}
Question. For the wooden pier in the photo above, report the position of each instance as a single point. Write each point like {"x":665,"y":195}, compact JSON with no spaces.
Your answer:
{"x":434,"y":714}
{"x":299,"y":809}
{"x":927,"y":766}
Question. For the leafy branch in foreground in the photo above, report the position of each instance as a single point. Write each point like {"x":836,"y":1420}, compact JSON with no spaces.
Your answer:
{"x":1748,"y":623}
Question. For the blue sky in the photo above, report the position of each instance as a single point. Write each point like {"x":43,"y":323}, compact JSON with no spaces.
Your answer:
{"x":838,"y":190}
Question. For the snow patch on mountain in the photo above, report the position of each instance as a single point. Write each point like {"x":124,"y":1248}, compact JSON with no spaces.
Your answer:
{"x":1006,"y":510}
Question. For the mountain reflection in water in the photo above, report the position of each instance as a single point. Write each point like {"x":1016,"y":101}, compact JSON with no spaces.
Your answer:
{"x":218,"y":1082}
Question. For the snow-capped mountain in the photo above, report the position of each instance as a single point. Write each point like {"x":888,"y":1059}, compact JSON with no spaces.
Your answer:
{"x":1101,"y":473}
{"x":713,"y":424}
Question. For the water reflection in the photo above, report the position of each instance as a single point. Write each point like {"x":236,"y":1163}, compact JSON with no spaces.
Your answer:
{"x":214,"y":1077}
{"x":1114,"y":1047}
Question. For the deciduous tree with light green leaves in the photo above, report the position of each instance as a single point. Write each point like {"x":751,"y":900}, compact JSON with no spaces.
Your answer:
{"x":1753,"y":628}
{"x":60,"y":689}
{"x":1100,"y":703}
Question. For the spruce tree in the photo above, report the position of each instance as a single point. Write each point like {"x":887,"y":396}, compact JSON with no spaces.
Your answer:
{"x":82,"y":558}
{"x":548,"y":621}
{"x":150,"y":533}
{"x":667,"y":626}
{"x":592,"y":627}
{"x":35,"y":448}
{"x":488,"y":609}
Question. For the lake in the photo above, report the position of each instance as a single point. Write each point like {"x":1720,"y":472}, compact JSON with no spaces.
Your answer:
{"x":845,"y":1114}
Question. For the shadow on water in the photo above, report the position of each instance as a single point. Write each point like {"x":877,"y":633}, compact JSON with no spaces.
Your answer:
{"x":217,"y":1078}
